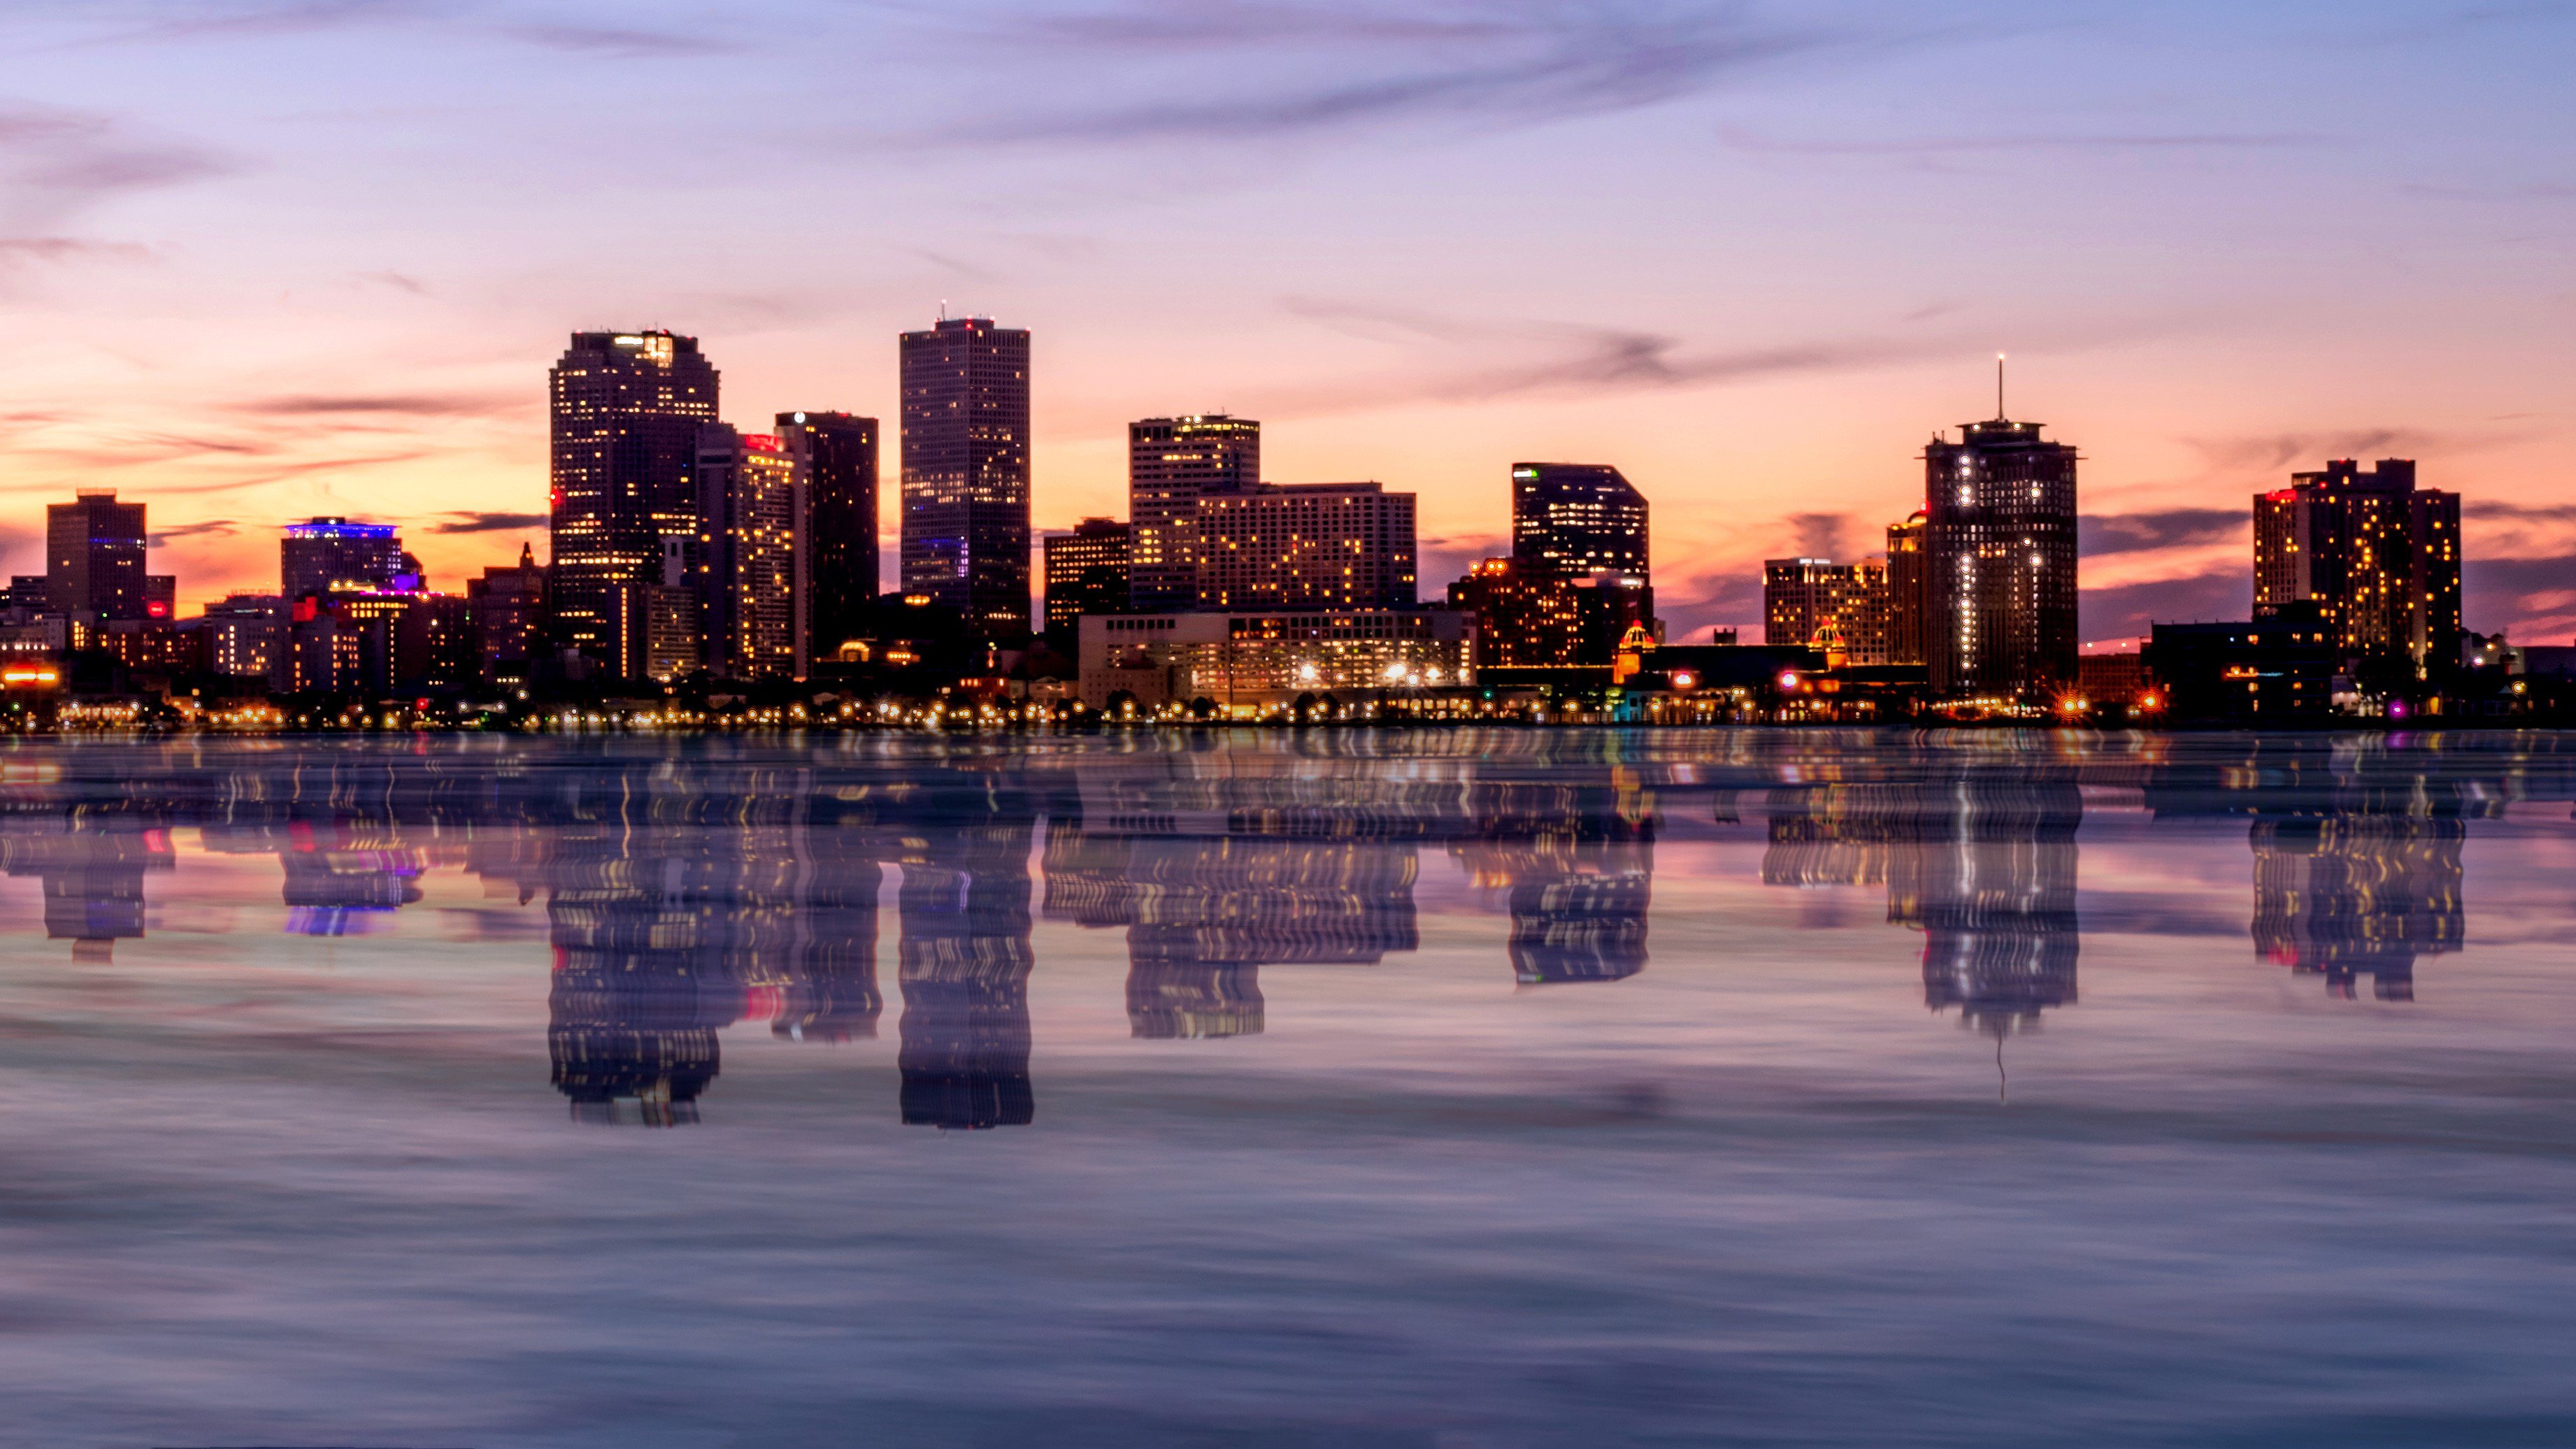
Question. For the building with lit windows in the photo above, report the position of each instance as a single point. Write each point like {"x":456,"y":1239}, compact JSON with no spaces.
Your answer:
{"x":751,"y":571}
{"x":1999,"y":547}
{"x":625,"y":412}
{"x":326,"y":554}
{"x":1086,"y":573}
{"x":838,"y":453}
{"x":2379,"y":557}
{"x":1307,"y":545}
{"x":94,"y":557}
{"x":1839,"y":608}
{"x":1526,"y":618}
{"x":243,"y":634}
{"x":1173,"y":463}
{"x":1244,"y":660}
{"x":966,"y":471}
{"x":1578,"y":518}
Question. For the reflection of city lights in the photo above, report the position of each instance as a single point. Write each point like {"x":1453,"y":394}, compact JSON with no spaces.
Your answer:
{"x":1789,"y":679}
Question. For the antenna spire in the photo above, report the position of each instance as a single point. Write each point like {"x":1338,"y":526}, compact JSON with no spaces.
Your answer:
{"x":2000,"y":414}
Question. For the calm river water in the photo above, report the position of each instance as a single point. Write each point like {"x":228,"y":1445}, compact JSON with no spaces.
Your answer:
{"x":1439,"y":1088}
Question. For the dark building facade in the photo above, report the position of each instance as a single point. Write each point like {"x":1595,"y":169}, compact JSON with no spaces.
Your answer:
{"x":1172,"y":463}
{"x":2377,"y":555}
{"x":966,"y":471}
{"x":1526,"y":617}
{"x":1578,"y":518}
{"x":94,"y":557}
{"x":1906,"y":596}
{"x":1086,"y":573}
{"x":626,"y":409}
{"x":2277,"y":670}
{"x":1999,"y":545}
{"x":838,"y":453}
{"x":509,"y":608}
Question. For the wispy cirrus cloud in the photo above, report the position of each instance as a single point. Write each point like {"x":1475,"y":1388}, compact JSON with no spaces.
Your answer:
{"x":411,"y":405}
{"x":2028,"y":141}
{"x":470,"y":521}
{"x":1250,"y":69}
{"x":1553,"y":357}
{"x":58,"y":250}
{"x":55,"y":162}
{"x":213,"y":20}
{"x":214,"y":527}
{"x":2097,"y":535}
{"x":621,"y":43}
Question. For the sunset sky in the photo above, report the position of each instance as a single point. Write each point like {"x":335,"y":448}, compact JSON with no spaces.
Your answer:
{"x":265,"y":260}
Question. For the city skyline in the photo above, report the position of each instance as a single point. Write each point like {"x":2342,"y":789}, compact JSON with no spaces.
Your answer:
{"x":220,"y":316}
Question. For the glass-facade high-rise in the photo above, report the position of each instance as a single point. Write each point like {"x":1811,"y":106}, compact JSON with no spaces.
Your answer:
{"x":1578,"y":518}
{"x":626,"y":409}
{"x":838,"y":453}
{"x":966,"y":471}
{"x":1172,"y":463}
{"x":1999,"y":544}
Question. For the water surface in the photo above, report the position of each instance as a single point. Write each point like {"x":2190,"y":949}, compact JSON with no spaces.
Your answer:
{"x":1438,"y":1088}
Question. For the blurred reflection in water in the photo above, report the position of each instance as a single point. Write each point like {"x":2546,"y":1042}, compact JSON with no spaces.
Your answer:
{"x":293,"y":1167}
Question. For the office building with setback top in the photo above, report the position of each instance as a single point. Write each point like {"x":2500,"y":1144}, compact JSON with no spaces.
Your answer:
{"x":1578,"y":518}
{"x":1086,"y":573}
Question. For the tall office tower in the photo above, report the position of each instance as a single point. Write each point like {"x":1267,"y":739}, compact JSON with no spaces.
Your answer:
{"x":966,"y":471}
{"x":1086,"y":573}
{"x":1841,"y":608}
{"x":1906,"y":601}
{"x":626,"y":411}
{"x":1172,"y":463}
{"x":838,"y":453}
{"x":1307,"y":545}
{"x":94,"y":557}
{"x":751,"y":584}
{"x":2379,"y":556}
{"x":326,"y":555}
{"x":1578,"y":518}
{"x":1999,"y":547}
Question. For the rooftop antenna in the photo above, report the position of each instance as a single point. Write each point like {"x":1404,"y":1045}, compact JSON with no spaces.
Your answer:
{"x":2000,"y":414}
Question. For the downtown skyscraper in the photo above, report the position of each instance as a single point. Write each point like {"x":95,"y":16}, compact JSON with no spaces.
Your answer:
{"x":966,"y":471}
{"x":94,"y":558}
{"x":1999,"y":549}
{"x":1173,"y":463}
{"x":626,"y":410}
{"x":1575,"y":519}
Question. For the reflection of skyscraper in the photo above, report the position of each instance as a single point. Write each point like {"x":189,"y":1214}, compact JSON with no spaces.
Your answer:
{"x":2358,"y":895}
{"x":1989,"y":877}
{"x":1580,"y":878}
{"x":1983,"y":864}
{"x":92,"y":876}
{"x":964,"y":968}
{"x":1204,"y":913}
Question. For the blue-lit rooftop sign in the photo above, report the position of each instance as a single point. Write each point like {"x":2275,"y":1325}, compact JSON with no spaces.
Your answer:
{"x":339,"y":530}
